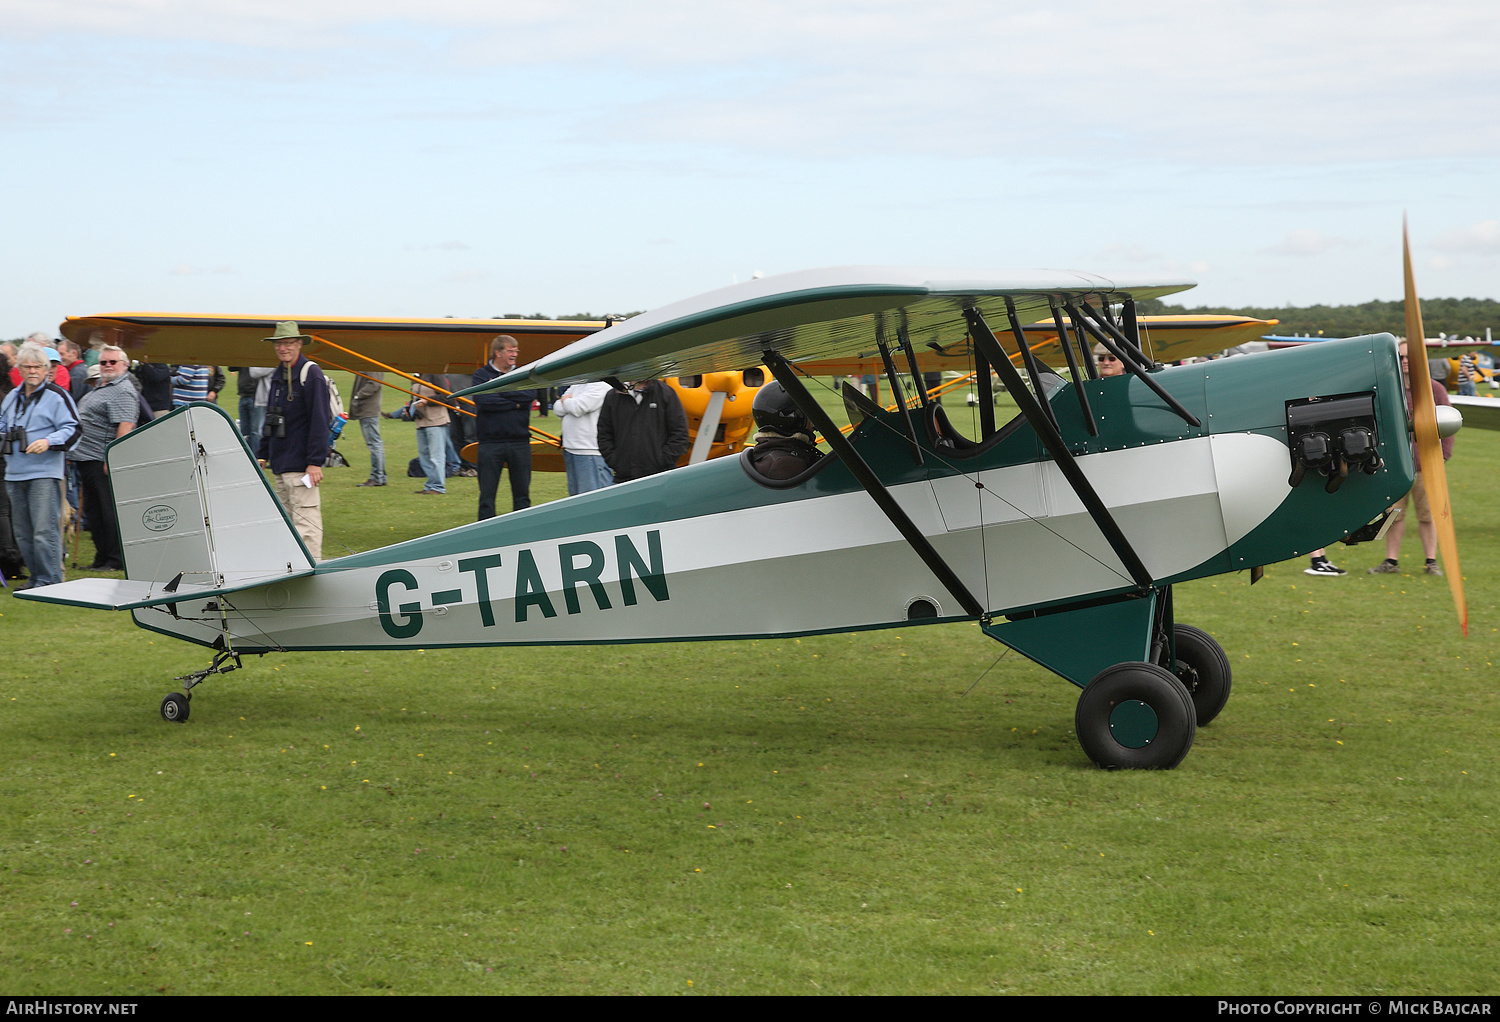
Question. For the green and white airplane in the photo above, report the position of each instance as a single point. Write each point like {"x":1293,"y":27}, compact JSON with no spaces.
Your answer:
{"x":1061,"y":532}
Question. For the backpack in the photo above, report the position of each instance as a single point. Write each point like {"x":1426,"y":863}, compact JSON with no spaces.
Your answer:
{"x":335,"y":403}
{"x":336,"y":414}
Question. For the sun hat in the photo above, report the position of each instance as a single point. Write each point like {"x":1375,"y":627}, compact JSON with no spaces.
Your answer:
{"x":287,"y":330}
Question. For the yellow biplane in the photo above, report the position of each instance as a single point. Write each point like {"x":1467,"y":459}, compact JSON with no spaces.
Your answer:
{"x":407,"y":347}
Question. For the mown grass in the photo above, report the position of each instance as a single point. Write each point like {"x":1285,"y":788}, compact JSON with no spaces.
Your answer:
{"x":827,"y":815}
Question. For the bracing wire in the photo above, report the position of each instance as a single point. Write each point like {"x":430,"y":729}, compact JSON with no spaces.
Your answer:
{"x":973,"y":475}
{"x":1003,"y":654}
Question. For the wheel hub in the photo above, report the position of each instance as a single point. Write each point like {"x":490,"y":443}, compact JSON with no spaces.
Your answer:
{"x":1133,"y":724}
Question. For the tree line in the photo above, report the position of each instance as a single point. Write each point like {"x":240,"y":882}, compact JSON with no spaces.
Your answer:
{"x":1462,"y":317}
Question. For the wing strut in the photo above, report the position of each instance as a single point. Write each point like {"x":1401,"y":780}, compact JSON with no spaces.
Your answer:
{"x":1134,"y":362}
{"x":1067,"y":346}
{"x":1033,"y":367}
{"x":984,"y":340}
{"x":1131,"y":325}
{"x":911,"y":360}
{"x":900,"y":395}
{"x":782,"y":370}
{"x":985,"y":391}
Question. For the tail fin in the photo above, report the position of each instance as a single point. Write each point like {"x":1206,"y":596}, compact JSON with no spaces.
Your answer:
{"x":197,"y":517}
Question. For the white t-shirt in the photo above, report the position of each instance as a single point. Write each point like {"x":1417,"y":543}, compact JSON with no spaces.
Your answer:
{"x":579,"y":409}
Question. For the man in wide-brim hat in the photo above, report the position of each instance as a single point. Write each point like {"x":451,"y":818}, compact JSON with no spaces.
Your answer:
{"x":294,"y":442}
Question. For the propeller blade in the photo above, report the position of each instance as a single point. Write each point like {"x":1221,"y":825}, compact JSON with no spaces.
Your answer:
{"x":1429,"y":446}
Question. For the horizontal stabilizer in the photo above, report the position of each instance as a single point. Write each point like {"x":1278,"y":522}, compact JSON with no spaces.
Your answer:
{"x":129,"y":593}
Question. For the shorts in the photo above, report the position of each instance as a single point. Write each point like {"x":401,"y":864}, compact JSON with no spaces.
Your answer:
{"x":1418,"y":497}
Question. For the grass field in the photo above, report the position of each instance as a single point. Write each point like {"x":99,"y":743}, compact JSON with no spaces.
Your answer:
{"x":827,"y":815}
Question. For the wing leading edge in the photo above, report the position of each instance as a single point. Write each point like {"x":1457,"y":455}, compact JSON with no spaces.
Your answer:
{"x":814,"y":316}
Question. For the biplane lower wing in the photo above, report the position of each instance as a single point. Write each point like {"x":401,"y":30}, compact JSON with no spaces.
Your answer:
{"x":1481,"y":412}
{"x":411,"y":345}
{"x":1164,"y":339}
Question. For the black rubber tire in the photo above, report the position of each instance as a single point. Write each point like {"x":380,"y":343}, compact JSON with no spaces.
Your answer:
{"x":1203,"y":669}
{"x":1155,"y":686}
{"x":174,"y":708}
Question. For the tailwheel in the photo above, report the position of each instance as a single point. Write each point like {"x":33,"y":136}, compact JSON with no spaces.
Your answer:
{"x":1135,"y":716}
{"x":1203,"y":669}
{"x":174,"y":708}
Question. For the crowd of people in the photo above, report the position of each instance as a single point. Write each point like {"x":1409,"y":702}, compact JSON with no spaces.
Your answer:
{"x":61,"y":406}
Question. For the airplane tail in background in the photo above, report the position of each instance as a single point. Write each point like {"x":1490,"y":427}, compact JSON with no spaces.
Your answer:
{"x":197,"y":517}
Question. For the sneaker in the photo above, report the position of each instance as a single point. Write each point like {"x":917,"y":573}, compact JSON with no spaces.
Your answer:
{"x":1386,"y":567}
{"x":469,"y":473}
{"x":1324,"y":567}
{"x":433,"y":493}
{"x":1432,"y":568}
{"x":369,"y":482}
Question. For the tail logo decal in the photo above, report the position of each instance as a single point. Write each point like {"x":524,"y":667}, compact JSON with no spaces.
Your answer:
{"x":159,"y":518}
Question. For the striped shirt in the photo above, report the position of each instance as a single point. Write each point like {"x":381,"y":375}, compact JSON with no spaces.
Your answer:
{"x":190,"y":383}
{"x":100,"y":413}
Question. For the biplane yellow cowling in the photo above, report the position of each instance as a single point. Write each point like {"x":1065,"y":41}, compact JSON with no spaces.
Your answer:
{"x":701,"y":401}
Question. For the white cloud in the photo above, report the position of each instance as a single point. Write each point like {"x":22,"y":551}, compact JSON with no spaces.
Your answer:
{"x":1483,"y":238}
{"x":1303,"y":242}
{"x":1134,"y":254}
{"x":1278,"y":80}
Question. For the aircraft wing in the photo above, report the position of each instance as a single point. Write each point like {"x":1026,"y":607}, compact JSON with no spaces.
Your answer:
{"x":816,"y":317}
{"x":1480,"y":412}
{"x":1165,"y":339}
{"x":411,"y":345}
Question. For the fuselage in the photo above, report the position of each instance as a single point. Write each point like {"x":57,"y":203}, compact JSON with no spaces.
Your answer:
{"x":711,"y":552}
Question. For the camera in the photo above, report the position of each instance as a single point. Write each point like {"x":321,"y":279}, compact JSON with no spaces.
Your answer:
{"x":275,"y":423}
{"x":9,"y":438}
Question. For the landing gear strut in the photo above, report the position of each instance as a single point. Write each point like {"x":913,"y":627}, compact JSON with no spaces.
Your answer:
{"x":174,"y":707}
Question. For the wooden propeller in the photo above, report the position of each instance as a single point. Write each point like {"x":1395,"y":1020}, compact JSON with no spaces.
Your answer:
{"x":1429,"y":446}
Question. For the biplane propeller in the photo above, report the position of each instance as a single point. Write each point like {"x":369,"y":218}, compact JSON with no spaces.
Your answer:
{"x":1075,"y":518}
{"x":1425,"y":427}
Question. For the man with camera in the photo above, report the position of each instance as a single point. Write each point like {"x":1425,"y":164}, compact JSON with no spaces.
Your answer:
{"x":294,"y":442}
{"x":38,"y":424}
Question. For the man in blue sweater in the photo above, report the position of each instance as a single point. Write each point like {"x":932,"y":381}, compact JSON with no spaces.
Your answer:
{"x":294,"y":443}
{"x":38,"y":424}
{"x":504,"y":431}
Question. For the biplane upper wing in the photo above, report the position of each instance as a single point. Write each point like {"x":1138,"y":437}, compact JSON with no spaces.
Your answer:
{"x":815,"y":317}
{"x":411,"y":345}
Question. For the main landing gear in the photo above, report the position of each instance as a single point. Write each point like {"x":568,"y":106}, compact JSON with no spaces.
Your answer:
{"x":1144,"y":716}
{"x":1203,"y":669}
{"x":1135,"y":716}
{"x":1148,"y":682}
{"x":175,"y":705}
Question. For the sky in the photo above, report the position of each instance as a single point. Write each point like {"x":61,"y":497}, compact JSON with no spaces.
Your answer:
{"x":453,"y":157}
